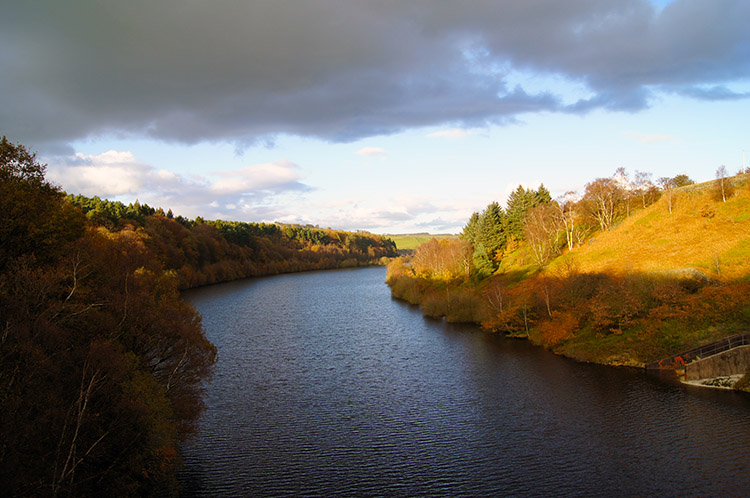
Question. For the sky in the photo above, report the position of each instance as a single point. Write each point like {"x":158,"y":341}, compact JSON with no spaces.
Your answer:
{"x":391,"y":116}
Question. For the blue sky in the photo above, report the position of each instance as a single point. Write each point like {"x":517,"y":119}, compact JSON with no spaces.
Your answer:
{"x":385,"y":116}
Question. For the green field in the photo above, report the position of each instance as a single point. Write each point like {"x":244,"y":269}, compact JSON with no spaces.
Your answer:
{"x":405,"y":241}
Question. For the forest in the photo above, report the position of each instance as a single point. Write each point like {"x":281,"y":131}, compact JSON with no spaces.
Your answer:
{"x":101,"y":360}
{"x":627,"y":272}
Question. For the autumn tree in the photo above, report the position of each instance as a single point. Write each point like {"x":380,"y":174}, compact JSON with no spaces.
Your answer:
{"x":627,"y":187}
{"x":723,"y":186}
{"x":570,"y":216}
{"x":603,"y":197}
{"x":667,"y":188}
{"x":447,"y":259}
{"x":643,"y":187}
{"x":101,"y":361}
{"x":542,"y":230}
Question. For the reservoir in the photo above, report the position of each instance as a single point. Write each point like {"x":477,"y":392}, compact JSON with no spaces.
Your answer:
{"x":326,"y":386}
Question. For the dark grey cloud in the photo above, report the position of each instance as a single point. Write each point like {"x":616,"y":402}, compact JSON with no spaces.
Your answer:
{"x":714,"y":93}
{"x":239,"y":71}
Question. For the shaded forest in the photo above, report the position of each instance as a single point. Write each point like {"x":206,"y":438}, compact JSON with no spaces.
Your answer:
{"x":101,"y":360}
{"x":625,"y":273}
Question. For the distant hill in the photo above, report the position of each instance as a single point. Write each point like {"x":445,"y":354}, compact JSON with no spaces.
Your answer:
{"x":410,"y":241}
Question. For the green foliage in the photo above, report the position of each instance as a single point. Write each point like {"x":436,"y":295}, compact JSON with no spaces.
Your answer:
{"x":492,"y":229}
{"x":681,"y":180}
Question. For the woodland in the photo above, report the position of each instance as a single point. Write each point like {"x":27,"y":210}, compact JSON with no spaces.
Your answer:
{"x":627,"y":272}
{"x":102,"y":362}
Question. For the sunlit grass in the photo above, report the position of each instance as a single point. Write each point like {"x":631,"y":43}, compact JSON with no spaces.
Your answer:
{"x":413,"y":240}
{"x":702,"y":233}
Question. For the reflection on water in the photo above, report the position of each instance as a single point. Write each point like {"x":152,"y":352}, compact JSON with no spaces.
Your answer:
{"x":326,"y":386}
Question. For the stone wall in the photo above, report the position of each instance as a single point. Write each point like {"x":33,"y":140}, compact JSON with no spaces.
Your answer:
{"x":732,"y":362}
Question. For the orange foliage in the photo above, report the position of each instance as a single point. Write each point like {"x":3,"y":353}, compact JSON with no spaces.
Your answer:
{"x":445,"y":259}
{"x":560,"y":327}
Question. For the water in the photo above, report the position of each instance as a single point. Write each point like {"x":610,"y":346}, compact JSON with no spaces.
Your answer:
{"x":325,"y":386}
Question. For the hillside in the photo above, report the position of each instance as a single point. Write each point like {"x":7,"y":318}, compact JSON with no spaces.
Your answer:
{"x":701,"y":233}
{"x":410,"y":241}
{"x":652,"y":284}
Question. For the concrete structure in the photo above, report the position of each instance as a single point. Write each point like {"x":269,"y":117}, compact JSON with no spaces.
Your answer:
{"x":731,"y":362}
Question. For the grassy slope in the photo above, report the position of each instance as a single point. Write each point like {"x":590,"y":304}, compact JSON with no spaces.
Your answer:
{"x":412,"y":240}
{"x":701,"y":233}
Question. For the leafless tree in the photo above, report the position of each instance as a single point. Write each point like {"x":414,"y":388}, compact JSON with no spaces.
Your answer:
{"x":643,"y":185}
{"x":667,"y":186}
{"x":569,"y":213}
{"x":603,"y":196}
{"x":722,"y":182}
{"x":542,"y":226}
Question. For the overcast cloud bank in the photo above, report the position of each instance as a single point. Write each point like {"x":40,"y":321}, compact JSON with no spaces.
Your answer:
{"x":238,"y":71}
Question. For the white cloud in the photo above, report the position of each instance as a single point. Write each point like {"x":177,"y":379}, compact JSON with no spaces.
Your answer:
{"x":249,"y":193}
{"x":649,"y":138}
{"x":111,"y":173}
{"x":371,"y":151}
{"x":266,"y":176}
{"x":453,"y":134}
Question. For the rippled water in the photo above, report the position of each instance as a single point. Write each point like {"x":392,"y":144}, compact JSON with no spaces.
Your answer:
{"x":325,"y":386}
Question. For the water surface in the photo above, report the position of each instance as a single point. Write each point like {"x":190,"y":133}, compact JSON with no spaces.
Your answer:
{"x":326,"y":386}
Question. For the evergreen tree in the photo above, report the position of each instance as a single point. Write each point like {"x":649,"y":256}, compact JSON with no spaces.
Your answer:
{"x":543,"y":195}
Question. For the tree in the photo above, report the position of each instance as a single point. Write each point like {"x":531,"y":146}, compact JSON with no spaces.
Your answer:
{"x":101,"y":361}
{"x":603,"y":197}
{"x":722,"y":182}
{"x":446,"y":259}
{"x":682,"y":180}
{"x":643,"y":186}
{"x":569,"y":214}
{"x":34,"y":218}
{"x":626,"y":187}
{"x":667,"y":186}
{"x":542,"y":226}
{"x":519,"y":202}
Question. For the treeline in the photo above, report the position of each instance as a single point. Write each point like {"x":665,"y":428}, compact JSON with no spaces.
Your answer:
{"x":204,"y":252}
{"x":101,"y":360}
{"x":523,"y":270}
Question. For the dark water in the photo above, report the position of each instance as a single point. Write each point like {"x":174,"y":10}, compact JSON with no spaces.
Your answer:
{"x":325,"y":386}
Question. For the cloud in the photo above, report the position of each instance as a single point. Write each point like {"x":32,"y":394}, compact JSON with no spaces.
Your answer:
{"x":453,"y":134}
{"x":109,"y":174}
{"x":244,"y":72}
{"x":404,"y":213}
{"x":371,"y":151}
{"x":714,"y":93}
{"x":255,"y":192}
{"x":274,"y":176}
{"x":649,"y":138}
